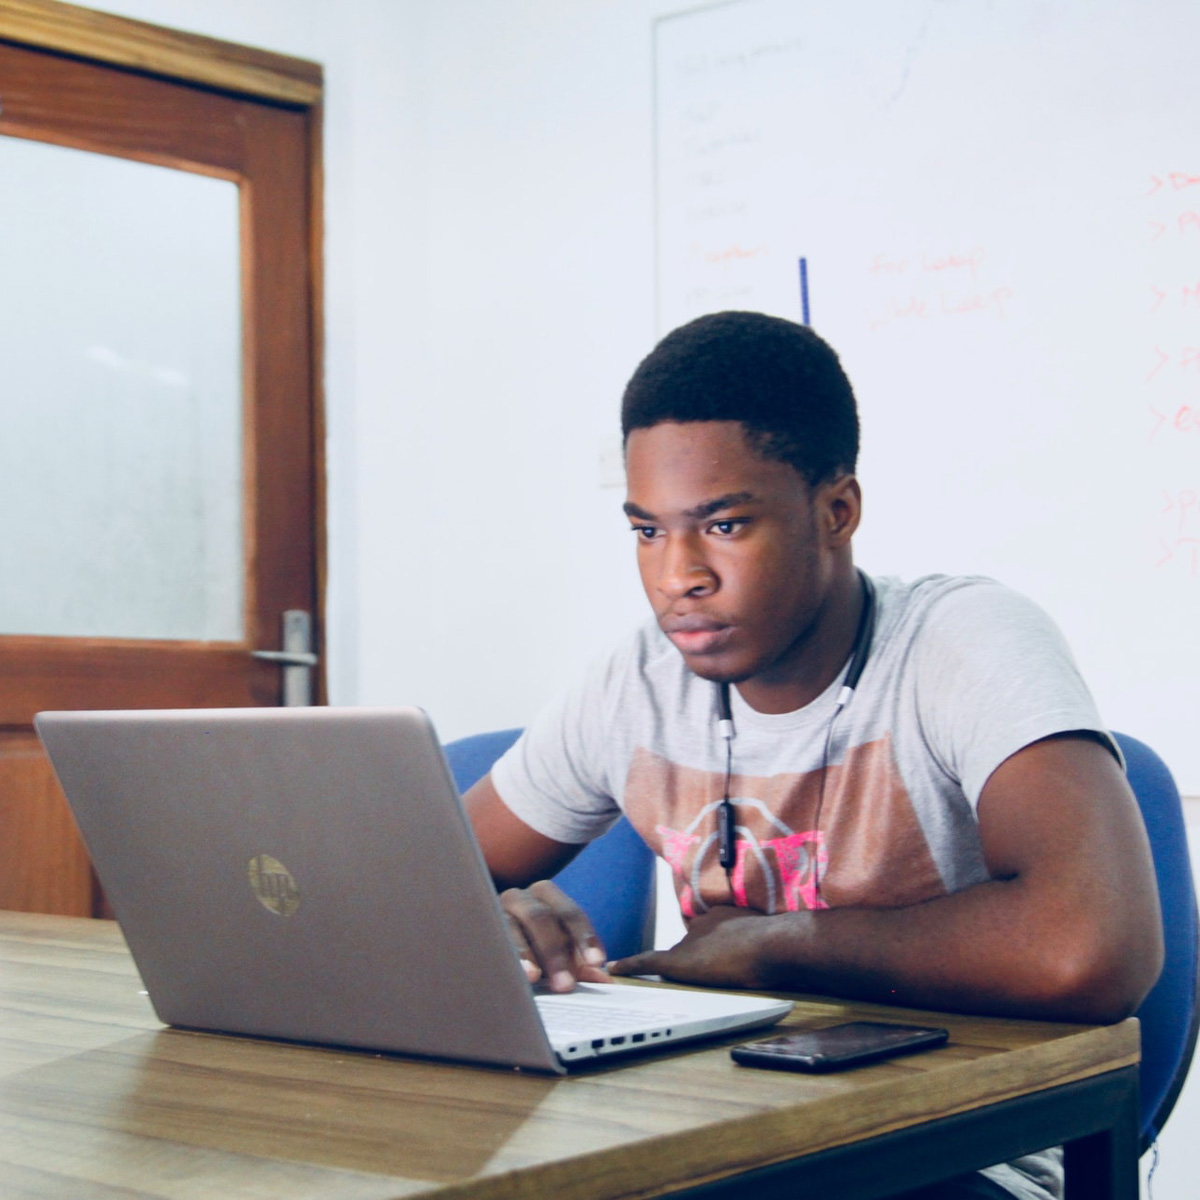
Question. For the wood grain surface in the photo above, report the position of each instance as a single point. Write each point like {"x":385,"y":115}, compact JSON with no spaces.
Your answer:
{"x":168,"y":53}
{"x":43,"y":865}
{"x":97,"y":1099}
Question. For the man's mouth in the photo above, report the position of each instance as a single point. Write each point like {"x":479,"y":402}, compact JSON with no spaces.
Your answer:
{"x":694,"y":633}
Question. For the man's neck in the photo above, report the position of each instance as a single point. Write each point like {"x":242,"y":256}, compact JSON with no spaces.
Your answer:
{"x":815,"y":658}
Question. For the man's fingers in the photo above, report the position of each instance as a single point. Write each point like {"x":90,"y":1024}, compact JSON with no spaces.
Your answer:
{"x":646,"y":963}
{"x":593,"y":975}
{"x":551,"y":932}
{"x":588,"y":948}
{"x":540,"y":937}
{"x":533,"y":972}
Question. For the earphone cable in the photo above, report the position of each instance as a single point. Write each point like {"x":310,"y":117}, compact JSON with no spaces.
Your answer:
{"x":727,"y":818}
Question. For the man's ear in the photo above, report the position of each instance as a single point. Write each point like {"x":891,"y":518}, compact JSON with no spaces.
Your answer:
{"x":841,"y":509}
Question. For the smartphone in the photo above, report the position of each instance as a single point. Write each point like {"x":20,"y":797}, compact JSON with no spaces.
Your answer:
{"x":838,"y":1046}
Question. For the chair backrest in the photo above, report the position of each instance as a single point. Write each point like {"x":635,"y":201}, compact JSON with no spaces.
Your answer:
{"x":1170,"y":1013}
{"x":611,"y":879}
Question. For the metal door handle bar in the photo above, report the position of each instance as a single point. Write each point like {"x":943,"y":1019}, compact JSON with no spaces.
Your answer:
{"x":287,"y":657}
{"x":296,"y":658}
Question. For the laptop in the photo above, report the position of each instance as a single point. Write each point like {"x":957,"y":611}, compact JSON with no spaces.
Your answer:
{"x":309,"y":874}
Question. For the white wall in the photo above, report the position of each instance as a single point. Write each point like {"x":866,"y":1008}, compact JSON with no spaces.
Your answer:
{"x":504,"y":281}
{"x":489,"y":265}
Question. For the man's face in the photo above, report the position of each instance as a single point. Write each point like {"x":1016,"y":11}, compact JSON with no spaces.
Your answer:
{"x":736,"y":551}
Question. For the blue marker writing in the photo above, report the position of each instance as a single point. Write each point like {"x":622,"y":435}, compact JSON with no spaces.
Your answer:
{"x":804,"y":291}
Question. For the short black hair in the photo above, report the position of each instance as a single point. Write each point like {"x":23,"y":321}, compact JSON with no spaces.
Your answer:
{"x":779,"y":379}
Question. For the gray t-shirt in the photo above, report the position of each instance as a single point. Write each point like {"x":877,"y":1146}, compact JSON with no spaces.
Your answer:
{"x":962,"y":673}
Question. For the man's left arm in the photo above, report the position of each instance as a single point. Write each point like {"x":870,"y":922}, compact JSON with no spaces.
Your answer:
{"x":1068,"y":927}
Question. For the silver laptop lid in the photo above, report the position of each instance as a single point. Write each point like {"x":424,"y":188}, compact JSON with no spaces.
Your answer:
{"x":299,"y":873}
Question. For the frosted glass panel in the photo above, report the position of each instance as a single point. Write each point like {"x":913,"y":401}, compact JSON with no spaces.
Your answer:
{"x":120,"y":398}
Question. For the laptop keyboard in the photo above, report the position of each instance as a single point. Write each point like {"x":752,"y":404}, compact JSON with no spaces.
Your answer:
{"x":567,"y":1018}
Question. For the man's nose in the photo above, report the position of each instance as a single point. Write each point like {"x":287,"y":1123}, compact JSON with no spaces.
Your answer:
{"x":683,"y":570}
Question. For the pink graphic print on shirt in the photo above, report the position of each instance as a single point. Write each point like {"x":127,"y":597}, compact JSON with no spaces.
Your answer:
{"x":868,"y":850}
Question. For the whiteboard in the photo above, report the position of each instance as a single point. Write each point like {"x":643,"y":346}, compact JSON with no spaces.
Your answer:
{"x":998,"y":207}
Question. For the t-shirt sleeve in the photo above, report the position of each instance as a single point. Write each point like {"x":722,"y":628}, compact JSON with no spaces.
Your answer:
{"x":555,"y":777}
{"x":993,"y":675}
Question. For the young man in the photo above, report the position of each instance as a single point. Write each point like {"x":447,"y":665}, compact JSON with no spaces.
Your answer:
{"x":954,"y":832}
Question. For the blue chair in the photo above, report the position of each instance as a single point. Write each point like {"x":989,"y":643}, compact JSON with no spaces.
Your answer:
{"x":611,"y":879}
{"x":1170,"y":1014}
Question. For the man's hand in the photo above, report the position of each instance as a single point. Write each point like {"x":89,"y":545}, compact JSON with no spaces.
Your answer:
{"x":551,"y":932}
{"x":720,"y":949}
{"x":553,"y":936}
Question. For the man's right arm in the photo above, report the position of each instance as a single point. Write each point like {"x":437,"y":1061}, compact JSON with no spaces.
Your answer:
{"x":553,"y":936}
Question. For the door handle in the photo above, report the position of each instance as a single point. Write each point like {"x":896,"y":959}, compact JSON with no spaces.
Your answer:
{"x":296,"y":658}
{"x":288,"y":658}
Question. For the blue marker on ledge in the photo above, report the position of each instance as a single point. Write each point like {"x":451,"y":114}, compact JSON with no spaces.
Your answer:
{"x":804,"y":291}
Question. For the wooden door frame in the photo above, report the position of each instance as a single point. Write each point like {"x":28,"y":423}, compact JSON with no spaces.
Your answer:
{"x":43,"y":865}
{"x":167,"y":53}
{"x":244,"y":71}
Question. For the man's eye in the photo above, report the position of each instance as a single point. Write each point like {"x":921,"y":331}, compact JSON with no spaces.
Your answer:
{"x":725,"y":528}
{"x":645,"y":533}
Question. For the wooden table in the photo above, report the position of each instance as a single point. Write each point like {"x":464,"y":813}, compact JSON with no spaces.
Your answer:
{"x":99,"y":1100}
